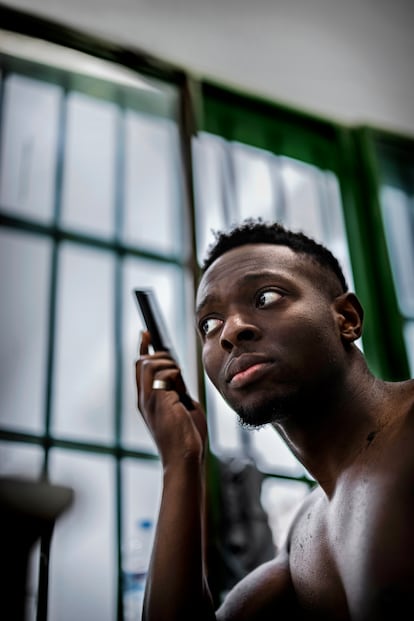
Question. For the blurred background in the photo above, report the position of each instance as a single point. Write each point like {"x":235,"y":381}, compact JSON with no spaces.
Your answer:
{"x":129,"y":131}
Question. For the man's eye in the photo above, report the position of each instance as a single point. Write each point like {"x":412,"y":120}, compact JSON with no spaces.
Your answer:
{"x":210,"y":324}
{"x":267,"y":297}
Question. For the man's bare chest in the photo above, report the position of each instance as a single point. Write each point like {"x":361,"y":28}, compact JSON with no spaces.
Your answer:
{"x":345,"y":552}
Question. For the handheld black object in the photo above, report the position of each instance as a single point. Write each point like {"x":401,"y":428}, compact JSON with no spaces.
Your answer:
{"x":154,"y":322}
{"x":153,"y":319}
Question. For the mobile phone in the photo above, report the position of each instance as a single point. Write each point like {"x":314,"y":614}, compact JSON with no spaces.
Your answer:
{"x":154,"y":322}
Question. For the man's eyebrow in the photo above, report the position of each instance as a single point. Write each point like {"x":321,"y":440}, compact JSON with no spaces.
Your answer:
{"x":208,"y":299}
{"x":212,"y":298}
{"x":262,"y":274}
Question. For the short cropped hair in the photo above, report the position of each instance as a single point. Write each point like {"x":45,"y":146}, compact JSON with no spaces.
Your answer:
{"x":256,"y":231}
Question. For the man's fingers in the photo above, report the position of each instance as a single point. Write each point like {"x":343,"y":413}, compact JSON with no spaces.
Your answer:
{"x":144,"y":344}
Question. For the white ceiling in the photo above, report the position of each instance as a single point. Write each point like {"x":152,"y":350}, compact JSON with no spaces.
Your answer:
{"x":350,"y":60}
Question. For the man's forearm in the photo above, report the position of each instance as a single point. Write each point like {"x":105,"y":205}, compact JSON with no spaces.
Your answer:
{"x":177,"y":586}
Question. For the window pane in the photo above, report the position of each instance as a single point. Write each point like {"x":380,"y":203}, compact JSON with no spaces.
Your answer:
{"x":209,"y":158}
{"x":272,"y":454}
{"x":223,"y":427}
{"x":83,"y":567}
{"x":166,"y":280}
{"x":255,"y":188}
{"x":89,"y":171}
{"x":20,"y":460}
{"x":409,"y":341}
{"x":141,"y":484}
{"x":398,"y":214}
{"x":153,"y":194}
{"x":24,"y":312}
{"x":83,"y":401}
{"x":28,"y":148}
{"x":302,"y":204}
{"x":281,"y":499}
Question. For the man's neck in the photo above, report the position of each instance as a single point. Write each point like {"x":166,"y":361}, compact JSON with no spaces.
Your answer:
{"x":332,"y":430}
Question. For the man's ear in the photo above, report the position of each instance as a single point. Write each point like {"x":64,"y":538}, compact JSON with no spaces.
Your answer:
{"x":349,"y":316}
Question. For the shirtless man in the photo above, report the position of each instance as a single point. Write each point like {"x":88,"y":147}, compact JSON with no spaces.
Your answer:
{"x":278,"y":328}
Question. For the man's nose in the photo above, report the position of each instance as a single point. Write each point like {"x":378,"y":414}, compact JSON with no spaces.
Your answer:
{"x":237,"y":329}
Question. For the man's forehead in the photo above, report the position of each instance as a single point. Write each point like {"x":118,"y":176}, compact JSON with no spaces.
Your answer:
{"x":251,"y":259}
{"x":254,"y":256}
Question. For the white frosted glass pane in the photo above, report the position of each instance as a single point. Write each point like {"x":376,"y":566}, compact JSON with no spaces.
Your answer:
{"x":334,"y":233}
{"x":89,"y":171}
{"x":83,"y":565}
{"x":24,"y":314}
{"x":141,"y":485}
{"x":281,"y":499}
{"x":28,"y":147}
{"x":398,"y":215}
{"x":409,"y":342}
{"x":208,"y":158}
{"x":271,"y":453}
{"x":20,"y":460}
{"x":83,"y":401}
{"x":153,"y":193}
{"x":302,"y":210}
{"x":165,"y":279}
{"x":223,"y":426}
{"x":254,"y":183}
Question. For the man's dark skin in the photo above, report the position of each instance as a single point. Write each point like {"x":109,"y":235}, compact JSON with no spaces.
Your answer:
{"x":278,"y":342}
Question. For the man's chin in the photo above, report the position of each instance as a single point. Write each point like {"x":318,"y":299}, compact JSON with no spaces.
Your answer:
{"x":257,"y":415}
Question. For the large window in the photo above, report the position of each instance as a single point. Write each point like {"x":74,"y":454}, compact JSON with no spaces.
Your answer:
{"x":93,"y":204}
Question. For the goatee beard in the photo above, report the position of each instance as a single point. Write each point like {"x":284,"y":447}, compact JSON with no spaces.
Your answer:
{"x":276,"y":411}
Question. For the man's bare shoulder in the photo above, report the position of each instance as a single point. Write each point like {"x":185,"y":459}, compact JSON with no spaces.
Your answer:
{"x":262,"y":594}
{"x":268,"y":590}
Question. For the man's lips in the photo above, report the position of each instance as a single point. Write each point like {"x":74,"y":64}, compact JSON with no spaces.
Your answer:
{"x":245,"y":368}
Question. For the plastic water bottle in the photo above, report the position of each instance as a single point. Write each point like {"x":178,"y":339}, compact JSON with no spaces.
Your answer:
{"x":135,"y":562}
